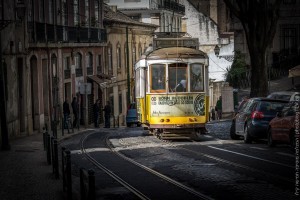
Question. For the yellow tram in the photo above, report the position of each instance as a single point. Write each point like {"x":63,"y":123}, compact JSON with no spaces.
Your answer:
{"x":171,"y":86}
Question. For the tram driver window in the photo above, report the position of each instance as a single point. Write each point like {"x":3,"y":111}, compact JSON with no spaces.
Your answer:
{"x":158,"y":78}
{"x":178,"y":81}
{"x":196,"y":74}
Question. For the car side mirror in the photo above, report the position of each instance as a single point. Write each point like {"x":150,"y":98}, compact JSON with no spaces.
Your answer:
{"x":279,"y":114}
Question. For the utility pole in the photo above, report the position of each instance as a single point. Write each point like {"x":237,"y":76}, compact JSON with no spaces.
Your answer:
{"x":128,"y":75}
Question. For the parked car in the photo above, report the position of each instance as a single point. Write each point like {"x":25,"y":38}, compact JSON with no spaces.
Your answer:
{"x":282,"y":127}
{"x":285,"y":95}
{"x":252,"y":120}
{"x":131,"y":115}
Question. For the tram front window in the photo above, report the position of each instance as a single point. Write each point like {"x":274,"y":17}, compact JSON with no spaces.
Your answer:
{"x":196,"y":74}
{"x":178,"y":77}
{"x":158,"y":78}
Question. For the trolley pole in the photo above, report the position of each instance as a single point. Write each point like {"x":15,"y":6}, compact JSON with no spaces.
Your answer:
{"x":128,"y":75}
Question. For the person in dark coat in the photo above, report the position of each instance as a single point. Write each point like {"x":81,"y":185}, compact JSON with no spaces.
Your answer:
{"x":96,"y":113}
{"x":66,"y":111}
{"x":107,"y":113}
{"x":75,"y":111}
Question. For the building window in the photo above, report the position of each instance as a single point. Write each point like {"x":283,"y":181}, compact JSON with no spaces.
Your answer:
{"x":119,"y":58}
{"x":288,"y":37}
{"x":89,"y":63}
{"x":125,"y":54}
{"x":133,"y":55}
{"x":120,"y":103}
{"x":76,"y":12}
{"x":99,"y":67}
{"x":95,"y":20}
{"x":140,"y":50}
{"x":78,"y":64}
{"x":51,"y":14}
{"x":64,"y":13}
{"x":110,"y":61}
{"x":87,"y":13}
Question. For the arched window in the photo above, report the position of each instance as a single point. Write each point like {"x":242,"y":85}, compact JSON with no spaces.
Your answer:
{"x":78,"y":64}
{"x":89,"y":63}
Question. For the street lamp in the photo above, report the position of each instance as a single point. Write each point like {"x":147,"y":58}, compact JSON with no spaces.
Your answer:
{"x":20,"y":13}
{"x":217,"y":50}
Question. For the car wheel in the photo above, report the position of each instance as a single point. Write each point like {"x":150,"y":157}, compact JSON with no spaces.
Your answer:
{"x":128,"y":124}
{"x":247,"y":137}
{"x":271,"y":142}
{"x":138,"y":124}
{"x":233,"y":135}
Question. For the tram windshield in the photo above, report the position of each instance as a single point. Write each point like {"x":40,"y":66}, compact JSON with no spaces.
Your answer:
{"x":180,"y":77}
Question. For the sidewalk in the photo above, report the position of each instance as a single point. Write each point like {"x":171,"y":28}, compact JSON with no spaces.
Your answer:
{"x":24,"y":172}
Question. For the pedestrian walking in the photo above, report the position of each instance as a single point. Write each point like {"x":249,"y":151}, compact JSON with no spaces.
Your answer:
{"x":75,"y":111}
{"x":218,"y":108}
{"x":96,"y":113}
{"x":107,"y":113}
{"x":66,"y":111}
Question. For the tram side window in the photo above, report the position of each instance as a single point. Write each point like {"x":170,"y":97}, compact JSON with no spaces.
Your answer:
{"x":196,"y":74}
{"x":158,"y":78}
{"x":178,"y":77}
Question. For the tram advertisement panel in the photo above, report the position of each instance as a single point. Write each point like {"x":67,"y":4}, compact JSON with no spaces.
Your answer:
{"x":177,"y":105}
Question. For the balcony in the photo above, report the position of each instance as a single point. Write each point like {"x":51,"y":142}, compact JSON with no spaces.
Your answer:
{"x":172,"y":6}
{"x":42,"y":32}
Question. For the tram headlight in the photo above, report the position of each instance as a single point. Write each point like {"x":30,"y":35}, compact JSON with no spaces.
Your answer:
{"x":161,"y":120}
{"x":191,"y":120}
{"x":167,"y":120}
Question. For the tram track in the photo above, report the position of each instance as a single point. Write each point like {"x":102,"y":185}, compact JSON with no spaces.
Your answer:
{"x":169,"y":184}
{"x":239,"y":165}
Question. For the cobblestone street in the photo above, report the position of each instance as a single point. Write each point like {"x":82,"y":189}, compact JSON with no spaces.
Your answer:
{"x":219,"y":129}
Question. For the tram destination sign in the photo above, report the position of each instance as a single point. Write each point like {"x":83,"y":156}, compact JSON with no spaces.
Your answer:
{"x":175,"y":42}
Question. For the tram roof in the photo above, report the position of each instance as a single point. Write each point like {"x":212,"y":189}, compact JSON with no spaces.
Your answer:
{"x":175,"y":52}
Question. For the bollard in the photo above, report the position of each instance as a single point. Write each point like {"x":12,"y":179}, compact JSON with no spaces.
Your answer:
{"x":63,"y":167}
{"x":63,"y":127}
{"x":44,"y":138}
{"x":82,"y":184}
{"x":68,"y":175}
{"x":52,"y":153}
{"x":48,"y":150}
{"x":92,"y":188}
{"x":55,"y":162}
{"x":87,"y":184}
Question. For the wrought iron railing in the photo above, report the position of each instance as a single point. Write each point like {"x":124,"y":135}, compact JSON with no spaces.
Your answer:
{"x":42,"y":32}
{"x":172,"y":5}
